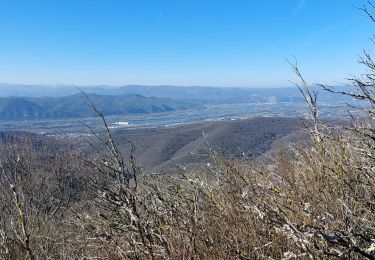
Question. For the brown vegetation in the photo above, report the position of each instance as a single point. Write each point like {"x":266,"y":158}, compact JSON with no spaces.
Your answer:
{"x":317,"y":201}
{"x":165,"y":148}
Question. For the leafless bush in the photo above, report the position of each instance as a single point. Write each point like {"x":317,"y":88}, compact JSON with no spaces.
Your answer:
{"x":317,"y":202}
{"x":37,"y":185}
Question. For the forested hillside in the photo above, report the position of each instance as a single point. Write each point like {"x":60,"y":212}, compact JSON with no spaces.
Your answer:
{"x":78,"y":106}
{"x":90,"y":197}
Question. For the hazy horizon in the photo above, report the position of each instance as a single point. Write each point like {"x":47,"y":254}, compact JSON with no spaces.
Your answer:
{"x":131,"y":85}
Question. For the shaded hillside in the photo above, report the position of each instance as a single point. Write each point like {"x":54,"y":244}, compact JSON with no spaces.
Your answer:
{"x":162,"y":148}
{"x":78,"y":106}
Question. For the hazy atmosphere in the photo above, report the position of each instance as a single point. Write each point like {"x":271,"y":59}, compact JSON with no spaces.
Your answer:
{"x":187,"y":129}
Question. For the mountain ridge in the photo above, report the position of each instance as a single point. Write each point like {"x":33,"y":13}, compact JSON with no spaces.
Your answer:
{"x":202,"y":95}
{"x":18,"y":108}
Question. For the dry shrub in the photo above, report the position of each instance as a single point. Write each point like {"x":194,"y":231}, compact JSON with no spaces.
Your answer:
{"x":316,"y":203}
{"x":38,"y":182}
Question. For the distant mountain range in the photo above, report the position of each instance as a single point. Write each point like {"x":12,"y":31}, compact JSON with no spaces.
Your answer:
{"x":38,"y":101}
{"x":77,"y":105}
{"x":196,"y":94}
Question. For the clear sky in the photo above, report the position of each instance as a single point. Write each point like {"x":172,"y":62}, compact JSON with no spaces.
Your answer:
{"x":180,"y":42}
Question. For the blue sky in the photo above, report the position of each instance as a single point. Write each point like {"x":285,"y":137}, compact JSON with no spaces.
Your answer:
{"x":180,"y":42}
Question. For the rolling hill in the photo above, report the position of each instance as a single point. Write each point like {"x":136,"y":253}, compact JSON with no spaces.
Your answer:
{"x":165,"y":148}
{"x":17,"y":108}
